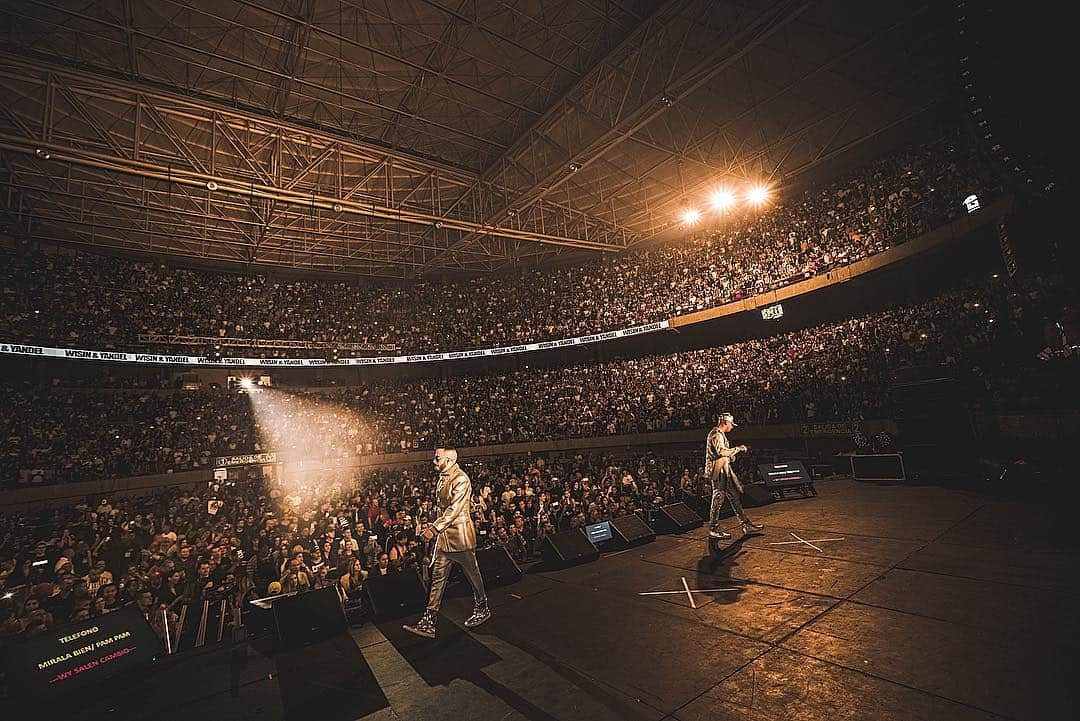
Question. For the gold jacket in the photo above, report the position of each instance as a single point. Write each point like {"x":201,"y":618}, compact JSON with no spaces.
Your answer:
{"x":454,"y":524}
{"x":718,"y":455}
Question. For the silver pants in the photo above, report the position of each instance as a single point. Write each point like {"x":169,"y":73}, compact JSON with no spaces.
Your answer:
{"x":440,"y":574}
{"x":724,"y":487}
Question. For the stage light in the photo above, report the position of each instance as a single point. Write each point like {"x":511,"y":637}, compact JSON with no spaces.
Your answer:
{"x":691,"y":216}
{"x":757,"y":195}
{"x":723,"y":199}
{"x":247,"y":384}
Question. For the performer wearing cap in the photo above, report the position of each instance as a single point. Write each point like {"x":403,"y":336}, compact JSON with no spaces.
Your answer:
{"x":718,"y":457}
{"x":455,"y":542}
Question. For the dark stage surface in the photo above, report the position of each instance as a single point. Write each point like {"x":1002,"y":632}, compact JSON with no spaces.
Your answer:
{"x":936,"y":604}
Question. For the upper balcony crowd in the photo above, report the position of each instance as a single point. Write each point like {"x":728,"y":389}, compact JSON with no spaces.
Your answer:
{"x":96,"y":302}
{"x":838,"y":371}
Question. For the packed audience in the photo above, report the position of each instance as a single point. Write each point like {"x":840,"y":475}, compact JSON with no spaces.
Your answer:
{"x":90,"y":301}
{"x":239,"y":540}
{"x":839,"y":371}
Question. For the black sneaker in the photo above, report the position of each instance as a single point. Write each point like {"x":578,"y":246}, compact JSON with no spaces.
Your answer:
{"x":426,"y":626}
{"x":480,"y":614}
{"x":719,"y":535}
{"x":749,"y":527}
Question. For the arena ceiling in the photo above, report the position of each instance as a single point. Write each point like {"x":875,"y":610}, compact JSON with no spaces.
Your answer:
{"x":399,"y":137}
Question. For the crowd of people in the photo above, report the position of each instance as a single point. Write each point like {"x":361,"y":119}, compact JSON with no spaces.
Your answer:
{"x":95,"y":302}
{"x":838,"y":371}
{"x":242,"y":540}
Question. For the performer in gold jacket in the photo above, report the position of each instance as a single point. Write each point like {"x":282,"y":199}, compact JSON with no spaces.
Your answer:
{"x":455,"y":542}
{"x":725,"y":484}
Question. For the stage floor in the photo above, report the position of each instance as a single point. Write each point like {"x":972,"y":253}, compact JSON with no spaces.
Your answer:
{"x":930,"y":604}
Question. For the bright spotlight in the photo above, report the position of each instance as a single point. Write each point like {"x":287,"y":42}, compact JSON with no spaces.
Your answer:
{"x":723,"y":199}
{"x":691,"y":216}
{"x":757,"y":195}
{"x":247,"y":384}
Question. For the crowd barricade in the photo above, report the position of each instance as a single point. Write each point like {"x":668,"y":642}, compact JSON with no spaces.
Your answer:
{"x":199,"y":625}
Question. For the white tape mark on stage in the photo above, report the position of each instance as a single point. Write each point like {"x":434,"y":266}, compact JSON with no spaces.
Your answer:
{"x":688,"y":591}
{"x":800,"y":539}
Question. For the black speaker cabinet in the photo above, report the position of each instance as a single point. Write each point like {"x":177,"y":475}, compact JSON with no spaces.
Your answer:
{"x":878,"y":467}
{"x":754,"y":495}
{"x":394,"y":595}
{"x":568,"y":548}
{"x":497,"y":567}
{"x":630,"y":530}
{"x":308,"y":617}
{"x":676,"y":518}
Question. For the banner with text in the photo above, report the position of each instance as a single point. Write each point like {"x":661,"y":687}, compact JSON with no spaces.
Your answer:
{"x":249,"y":459}
{"x":100,"y":355}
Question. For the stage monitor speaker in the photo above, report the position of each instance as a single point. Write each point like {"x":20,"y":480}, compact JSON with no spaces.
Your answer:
{"x":74,"y":663}
{"x":787,"y":479}
{"x":755,"y":494}
{"x":676,"y":518}
{"x":394,"y":595}
{"x":784,"y":473}
{"x":878,"y":467}
{"x":310,"y":616}
{"x":631,"y":531}
{"x":842,"y":464}
{"x":497,"y":566}
{"x":699,"y":504}
{"x":568,"y":548}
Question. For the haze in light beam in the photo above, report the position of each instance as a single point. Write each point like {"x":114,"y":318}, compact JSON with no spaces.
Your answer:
{"x":307,"y":431}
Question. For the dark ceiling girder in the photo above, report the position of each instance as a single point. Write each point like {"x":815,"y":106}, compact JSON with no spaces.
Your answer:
{"x":425,"y":53}
{"x":629,"y":123}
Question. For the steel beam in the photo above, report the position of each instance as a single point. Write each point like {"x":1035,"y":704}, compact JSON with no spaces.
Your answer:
{"x":147,"y":134}
{"x":675,"y":51}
